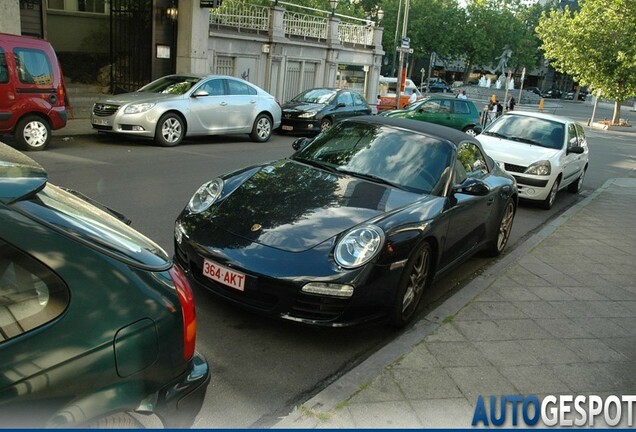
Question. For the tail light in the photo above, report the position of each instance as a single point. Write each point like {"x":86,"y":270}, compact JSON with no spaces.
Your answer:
{"x":186,"y":298}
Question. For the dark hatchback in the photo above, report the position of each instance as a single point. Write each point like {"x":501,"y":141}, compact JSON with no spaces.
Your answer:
{"x":97,"y":326}
{"x":316,"y":109}
{"x":352,"y":227}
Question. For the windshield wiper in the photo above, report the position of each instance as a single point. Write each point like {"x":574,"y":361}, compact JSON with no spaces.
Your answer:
{"x":315,"y":163}
{"x":526,"y":140}
{"x":495,"y":134}
{"x":371,"y":177}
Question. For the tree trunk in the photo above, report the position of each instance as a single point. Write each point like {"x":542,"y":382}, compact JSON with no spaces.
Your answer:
{"x":617,"y":112}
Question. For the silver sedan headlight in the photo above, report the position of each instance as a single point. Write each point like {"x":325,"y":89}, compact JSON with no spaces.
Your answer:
{"x":205,"y":196}
{"x":359,"y":246}
{"x":137,"y":108}
{"x":541,"y":168}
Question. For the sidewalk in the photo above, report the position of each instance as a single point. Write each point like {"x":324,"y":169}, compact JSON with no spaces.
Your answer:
{"x":555,"y":316}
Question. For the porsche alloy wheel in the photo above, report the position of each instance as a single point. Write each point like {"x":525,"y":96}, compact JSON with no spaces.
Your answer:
{"x":503,"y":233}
{"x":415,"y":278}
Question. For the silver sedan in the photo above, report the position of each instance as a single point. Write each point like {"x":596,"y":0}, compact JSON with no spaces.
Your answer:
{"x":177,"y":106}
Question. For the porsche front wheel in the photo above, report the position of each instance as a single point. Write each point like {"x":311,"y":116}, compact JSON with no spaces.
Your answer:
{"x":416,"y":277}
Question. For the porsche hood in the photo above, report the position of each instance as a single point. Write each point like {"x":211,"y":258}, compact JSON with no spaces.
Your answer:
{"x":294,"y":207}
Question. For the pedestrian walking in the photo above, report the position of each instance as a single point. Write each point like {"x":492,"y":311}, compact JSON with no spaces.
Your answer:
{"x":510,"y":105}
{"x":462,"y":95}
{"x":413,"y":97}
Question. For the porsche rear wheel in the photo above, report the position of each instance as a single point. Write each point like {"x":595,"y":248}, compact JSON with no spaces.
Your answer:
{"x":503,"y":232}
{"x":416,"y":277}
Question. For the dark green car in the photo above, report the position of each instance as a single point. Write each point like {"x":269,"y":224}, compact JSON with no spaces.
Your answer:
{"x":461,"y":114}
{"x":97,"y":325}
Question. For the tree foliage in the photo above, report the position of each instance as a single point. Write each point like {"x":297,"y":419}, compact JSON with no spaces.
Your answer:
{"x":595,"y":45}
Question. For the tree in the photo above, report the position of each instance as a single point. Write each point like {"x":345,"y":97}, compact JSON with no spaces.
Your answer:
{"x":595,"y":45}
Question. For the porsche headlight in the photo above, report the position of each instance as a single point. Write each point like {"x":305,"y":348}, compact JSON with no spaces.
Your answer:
{"x":205,"y":196}
{"x":358,"y":246}
{"x":307,"y":115}
{"x":138,"y":108}
{"x":539,"y":168}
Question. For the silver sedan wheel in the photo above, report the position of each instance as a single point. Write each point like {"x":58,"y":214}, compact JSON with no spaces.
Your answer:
{"x":171,"y":130}
{"x":263,"y":128}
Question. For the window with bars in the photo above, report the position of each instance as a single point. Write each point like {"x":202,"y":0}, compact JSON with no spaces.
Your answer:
{"x":93,"y":6}
{"x":224,"y":65}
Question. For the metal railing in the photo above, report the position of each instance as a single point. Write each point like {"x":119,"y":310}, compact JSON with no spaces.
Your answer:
{"x":247,"y":16}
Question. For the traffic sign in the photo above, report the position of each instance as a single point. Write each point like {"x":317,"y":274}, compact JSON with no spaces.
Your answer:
{"x":406,"y":42}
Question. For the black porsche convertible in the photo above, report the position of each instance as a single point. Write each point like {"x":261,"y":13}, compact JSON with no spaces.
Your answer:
{"x":354,"y":226}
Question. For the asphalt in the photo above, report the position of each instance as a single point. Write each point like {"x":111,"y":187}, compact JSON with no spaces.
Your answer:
{"x":554,"y":316}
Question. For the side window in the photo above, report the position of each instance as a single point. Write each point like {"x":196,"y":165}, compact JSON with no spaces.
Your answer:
{"x":30,"y":293}
{"x":33,"y":66}
{"x":214,"y":87}
{"x":581,"y":133}
{"x":4,"y":72}
{"x":472,"y":160}
{"x":345,"y":98}
{"x":461,"y":107}
{"x":445,"y":106}
{"x":358,"y":99}
{"x":238,"y":88}
{"x":572,"y":139}
{"x":431,"y":106}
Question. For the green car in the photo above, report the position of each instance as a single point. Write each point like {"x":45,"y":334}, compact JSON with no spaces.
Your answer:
{"x":461,"y":114}
{"x":97,"y":325}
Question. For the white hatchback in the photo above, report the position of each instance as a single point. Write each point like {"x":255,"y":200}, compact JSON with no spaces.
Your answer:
{"x":543,"y":152}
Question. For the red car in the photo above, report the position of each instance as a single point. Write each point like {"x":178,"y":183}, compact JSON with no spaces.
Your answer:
{"x":32,"y":94}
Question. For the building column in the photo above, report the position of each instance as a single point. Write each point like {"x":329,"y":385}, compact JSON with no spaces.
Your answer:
{"x":192,"y":38}
{"x":333,"y":52}
{"x":10,"y":17}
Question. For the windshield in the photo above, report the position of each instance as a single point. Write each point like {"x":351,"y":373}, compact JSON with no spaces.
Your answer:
{"x":401,"y":158}
{"x":530,"y":130}
{"x":322,"y":96}
{"x":170,"y":85}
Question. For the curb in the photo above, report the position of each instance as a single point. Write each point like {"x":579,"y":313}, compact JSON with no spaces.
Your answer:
{"x":342,"y":389}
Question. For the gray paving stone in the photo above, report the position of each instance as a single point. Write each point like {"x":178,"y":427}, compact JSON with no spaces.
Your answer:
{"x":583,"y":293}
{"x":391,"y":415}
{"x":551,"y":351}
{"x":444,"y":413}
{"x":614,"y":293}
{"x":563,"y":328}
{"x":601,"y":327}
{"x":550,"y":293}
{"x":419,"y":358}
{"x":534,"y":379}
{"x":425,"y":384}
{"x":383,"y":388}
{"x":538,"y":309}
{"x":481,"y":380}
{"x":497,"y":310}
{"x":586,"y":377}
{"x":516,"y":294}
{"x":457,"y":354}
{"x":629,"y":324}
{"x":523,"y":329}
{"x":593,"y":350}
{"x":506,"y":353}
{"x":481,"y":330}
{"x":446,"y":333}
{"x":525,"y":278}
{"x":471,"y":312}
{"x":624,"y":346}
{"x":547,"y":272}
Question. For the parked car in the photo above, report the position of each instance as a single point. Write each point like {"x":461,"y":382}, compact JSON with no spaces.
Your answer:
{"x":535,"y":90}
{"x":316,"y":109}
{"x":388,"y":93}
{"x":96,"y":322}
{"x":460,"y":114}
{"x":570,"y":95}
{"x":352,"y":227}
{"x":32,"y":95}
{"x":439,"y":87}
{"x":553,"y":94}
{"x":176,"y":106}
{"x":544,"y":152}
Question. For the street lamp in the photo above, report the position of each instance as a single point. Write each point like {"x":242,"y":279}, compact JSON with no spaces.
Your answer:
{"x":333,"y":4}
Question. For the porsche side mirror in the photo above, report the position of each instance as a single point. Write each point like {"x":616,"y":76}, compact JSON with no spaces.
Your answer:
{"x":472,"y":186}
{"x":300,"y":143}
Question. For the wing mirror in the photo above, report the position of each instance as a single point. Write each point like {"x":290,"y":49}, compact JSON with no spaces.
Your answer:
{"x":576,"y":149}
{"x":300,"y":143}
{"x":200,"y":93}
{"x":472,"y":186}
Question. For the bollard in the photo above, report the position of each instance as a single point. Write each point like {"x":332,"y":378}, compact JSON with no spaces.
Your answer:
{"x":541,"y":105}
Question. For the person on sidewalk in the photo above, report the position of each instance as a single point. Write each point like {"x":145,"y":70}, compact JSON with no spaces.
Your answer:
{"x":413,"y":97}
{"x":510,"y":105}
{"x":462,"y":95}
